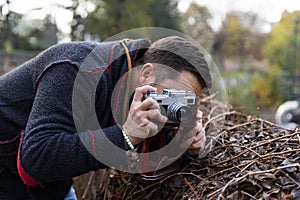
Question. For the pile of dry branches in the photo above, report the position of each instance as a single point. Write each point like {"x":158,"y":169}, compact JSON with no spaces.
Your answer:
{"x":246,"y":157}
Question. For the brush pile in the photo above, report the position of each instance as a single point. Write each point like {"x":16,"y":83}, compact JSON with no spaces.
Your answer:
{"x":246,"y":157}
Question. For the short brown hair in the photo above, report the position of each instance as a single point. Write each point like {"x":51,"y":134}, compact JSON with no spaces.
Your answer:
{"x":180,"y":54}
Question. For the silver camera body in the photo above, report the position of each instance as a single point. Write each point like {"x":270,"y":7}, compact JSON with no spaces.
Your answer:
{"x":178,"y":105}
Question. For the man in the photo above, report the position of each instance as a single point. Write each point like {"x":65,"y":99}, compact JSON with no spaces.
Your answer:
{"x":48,"y":106}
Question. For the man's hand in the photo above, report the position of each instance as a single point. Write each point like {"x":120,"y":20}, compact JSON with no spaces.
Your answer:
{"x":195,"y":137}
{"x":139,"y":124}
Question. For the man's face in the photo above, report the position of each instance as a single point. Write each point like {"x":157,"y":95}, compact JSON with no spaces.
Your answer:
{"x":185,"y":81}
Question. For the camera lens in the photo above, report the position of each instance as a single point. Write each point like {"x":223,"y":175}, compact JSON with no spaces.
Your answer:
{"x":178,"y":112}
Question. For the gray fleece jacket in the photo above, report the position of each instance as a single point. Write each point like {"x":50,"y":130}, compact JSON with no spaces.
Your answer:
{"x":56,"y":108}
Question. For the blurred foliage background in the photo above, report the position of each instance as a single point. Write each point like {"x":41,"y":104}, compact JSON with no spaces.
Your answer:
{"x":259,"y":68}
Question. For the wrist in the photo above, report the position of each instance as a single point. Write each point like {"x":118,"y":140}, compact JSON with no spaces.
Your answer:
{"x":128,"y":142}
{"x":133,"y":140}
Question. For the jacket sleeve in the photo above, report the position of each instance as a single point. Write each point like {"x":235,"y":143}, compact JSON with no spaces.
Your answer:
{"x":51,"y":147}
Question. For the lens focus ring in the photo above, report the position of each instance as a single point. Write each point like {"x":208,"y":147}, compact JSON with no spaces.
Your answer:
{"x":178,"y":112}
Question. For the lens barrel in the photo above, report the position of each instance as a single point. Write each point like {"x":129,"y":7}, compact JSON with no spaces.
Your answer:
{"x":178,"y":112}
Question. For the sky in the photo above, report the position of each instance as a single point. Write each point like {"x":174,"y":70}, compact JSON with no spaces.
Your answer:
{"x":268,"y":10}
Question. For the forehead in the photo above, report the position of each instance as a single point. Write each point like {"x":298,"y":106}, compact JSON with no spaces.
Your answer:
{"x":185,"y":81}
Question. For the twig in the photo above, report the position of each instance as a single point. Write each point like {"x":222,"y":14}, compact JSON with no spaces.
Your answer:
{"x":88,"y":185}
{"x":232,"y":181}
{"x":251,"y":163}
{"x":289,"y":177}
{"x":225,"y":170}
{"x":191,"y":188}
{"x":279,"y":153}
{"x":218,"y":116}
{"x":235,"y":180}
{"x":249,"y":195}
{"x":163,"y":180}
{"x":210,"y":97}
{"x":275,"y":125}
{"x":240,"y":125}
{"x":254,"y":147}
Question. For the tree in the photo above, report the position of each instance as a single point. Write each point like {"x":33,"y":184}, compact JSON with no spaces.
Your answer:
{"x":240,"y":36}
{"x":195,"y":23}
{"x":19,"y":33}
{"x":114,"y":16}
{"x":282,"y":40}
{"x":79,"y":10}
{"x":265,"y":87}
{"x":34,"y":34}
{"x":8,"y":19}
{"x":77,"y":29}
{"x":282,"y":51}
{"x":164,"y":13}
{"x":239,"y":41}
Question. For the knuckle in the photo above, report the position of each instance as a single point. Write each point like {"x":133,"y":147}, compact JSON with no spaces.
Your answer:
{"x":155,"y":128}
{"x":155,"y":113}
{"x":138,"y":89}
{"x":144,"y":122}
{"x":139,"y":115}
{"x":150,"y":101}
{"x":134,"y":111}
{"x":146,"y":103}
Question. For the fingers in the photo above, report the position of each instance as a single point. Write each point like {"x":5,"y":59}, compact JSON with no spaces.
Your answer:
{"x":193,"y":132}
{"x":148,"y":110}
{"x":198,"y":142}
{"x":144,"y":118}
{"x":142,"y":114}
{"x":149,"y":104}
{"x":194,"y":140}
{"x":199,"y":115}
{"x":198,"y":133}
{"x":140,"y":92}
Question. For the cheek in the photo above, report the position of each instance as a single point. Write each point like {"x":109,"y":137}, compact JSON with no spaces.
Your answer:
{"x":198,"y":92}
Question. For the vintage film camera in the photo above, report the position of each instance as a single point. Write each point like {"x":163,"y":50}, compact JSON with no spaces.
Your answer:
{"x":177,"y":105}
{"x":180,"y":107}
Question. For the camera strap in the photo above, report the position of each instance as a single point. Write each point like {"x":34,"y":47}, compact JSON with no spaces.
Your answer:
{"x":129,"y":65}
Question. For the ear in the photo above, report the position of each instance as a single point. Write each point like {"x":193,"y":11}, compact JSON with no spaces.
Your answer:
{"x":147,"y":74}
